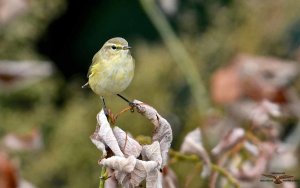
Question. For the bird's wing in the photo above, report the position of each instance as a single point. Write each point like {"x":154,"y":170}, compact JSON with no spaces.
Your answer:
{"x":285,"y":176}
{"x":94,"y":61}
{"x":269,"y":176}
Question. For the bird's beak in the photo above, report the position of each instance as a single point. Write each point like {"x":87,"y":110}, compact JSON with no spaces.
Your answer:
{"x":126,"y":47}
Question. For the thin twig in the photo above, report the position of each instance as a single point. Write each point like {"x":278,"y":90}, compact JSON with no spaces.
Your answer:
{"x":114,"y":119}
{"x":180,"y":156}
{"x":250,"y":136}
{"x":229,"y":177}
{"x":102,"y":177}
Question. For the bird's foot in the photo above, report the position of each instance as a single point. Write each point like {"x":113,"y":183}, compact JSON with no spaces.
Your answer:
{"x":132,"y":105}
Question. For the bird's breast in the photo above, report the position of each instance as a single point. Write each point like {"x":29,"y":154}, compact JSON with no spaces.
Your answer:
{"x":111,"y":77}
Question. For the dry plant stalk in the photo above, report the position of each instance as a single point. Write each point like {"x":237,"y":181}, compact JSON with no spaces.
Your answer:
{"x":129,"y":162}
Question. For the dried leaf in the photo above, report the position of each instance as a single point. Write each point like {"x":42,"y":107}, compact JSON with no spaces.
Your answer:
{"x":254,"y":77}
{"x":267,"y":70}
{"x":95,"y":138}
{"x":163,"y":132}
{"x":128,"y":145}
{"x":142,"y":170}
{"x":192,"y":144}
{"x":123,"y":179}
{"x":152,"y":153}
{"x":250,"y":170}
{"x":263,"y":113}
{"x":153,"y":179}
{"x":228,"y":141}
{"x":120,"y":163}
{"x":265,"y":77}
{"x":130,"y":172}
{"x":106,"y":134}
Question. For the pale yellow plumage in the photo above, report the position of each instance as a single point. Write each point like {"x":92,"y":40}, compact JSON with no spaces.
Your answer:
{"x":112,"y":68}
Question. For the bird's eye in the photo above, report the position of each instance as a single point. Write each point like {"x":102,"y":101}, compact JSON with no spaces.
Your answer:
{"x":113,"y":47}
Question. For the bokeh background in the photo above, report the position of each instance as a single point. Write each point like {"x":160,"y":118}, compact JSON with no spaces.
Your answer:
{"x":57,"y":40}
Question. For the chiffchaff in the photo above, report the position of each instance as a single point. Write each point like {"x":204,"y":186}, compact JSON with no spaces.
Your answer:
{"x":112,"y":69}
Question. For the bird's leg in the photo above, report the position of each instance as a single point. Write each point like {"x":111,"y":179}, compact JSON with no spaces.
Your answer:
{"x":131,"y":104}
{"x":109,"y":115}
{"x":104,"y":107}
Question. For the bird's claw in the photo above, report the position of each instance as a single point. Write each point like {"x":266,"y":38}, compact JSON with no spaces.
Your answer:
{"x":132,"y":106}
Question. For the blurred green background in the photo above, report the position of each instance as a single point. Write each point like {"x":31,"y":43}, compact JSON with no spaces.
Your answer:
{"x":68,"y":33}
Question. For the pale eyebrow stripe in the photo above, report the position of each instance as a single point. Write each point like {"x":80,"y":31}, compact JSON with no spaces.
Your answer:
{"x":118,"y":46}
{"x":111,"y":44}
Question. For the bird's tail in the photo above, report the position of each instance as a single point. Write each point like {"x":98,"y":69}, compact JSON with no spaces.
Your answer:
{"x":85,"y":85}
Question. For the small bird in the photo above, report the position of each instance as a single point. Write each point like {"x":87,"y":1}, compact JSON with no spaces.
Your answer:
{"x":278,"y":179}
{"x":112,"y":70}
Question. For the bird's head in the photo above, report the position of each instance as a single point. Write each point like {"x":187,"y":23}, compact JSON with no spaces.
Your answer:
{"x":115,"y":47}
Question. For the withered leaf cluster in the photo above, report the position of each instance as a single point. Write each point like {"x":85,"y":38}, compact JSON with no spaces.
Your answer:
{"x":130,"y":162}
